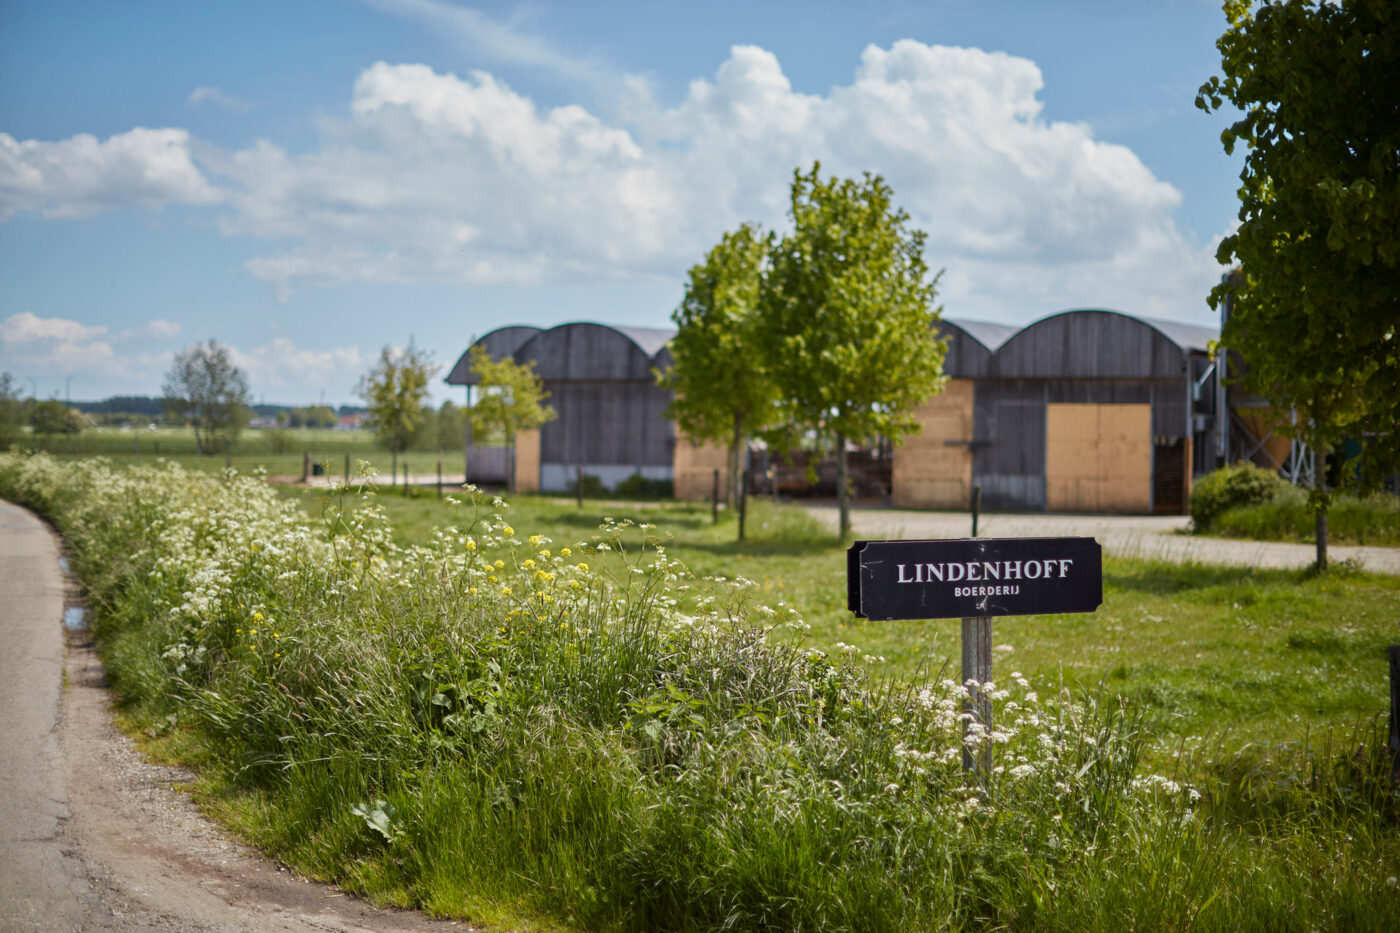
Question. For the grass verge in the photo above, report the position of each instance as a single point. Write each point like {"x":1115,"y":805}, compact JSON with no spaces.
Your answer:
{"x":546,"y":731}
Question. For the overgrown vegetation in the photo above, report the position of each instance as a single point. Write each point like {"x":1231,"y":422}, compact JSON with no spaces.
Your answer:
{"x":1246,"y":501}
{"x":564,"y":733}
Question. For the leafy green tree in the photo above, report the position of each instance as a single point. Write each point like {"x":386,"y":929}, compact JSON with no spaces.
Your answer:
{"x":510,"y":399}
{"x":394,"y":391}
{"x":847,"y":315}
{"x":11,"y":411}
{"x":1315,"y":309}
{"x":720,"y":380}
{"x":54,"y":417}
{"x":205,"y":390}
{"x":449,"y":427}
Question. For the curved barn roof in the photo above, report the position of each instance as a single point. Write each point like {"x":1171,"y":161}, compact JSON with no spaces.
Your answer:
{"x":577,"y":350}
{"x":501,"y":342}
{"x":971,"y":345}
{"x":1094,"y":343}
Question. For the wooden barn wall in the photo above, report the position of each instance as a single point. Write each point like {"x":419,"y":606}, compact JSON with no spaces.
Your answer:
{"x":1088,"y":345}
{"x":1009,"y":417}
{"x":928,"y":472}
{"x":584,"y":352}
{"x":620,"y":423}
{"x":966,"y":357}
{"x":1009,"y":459}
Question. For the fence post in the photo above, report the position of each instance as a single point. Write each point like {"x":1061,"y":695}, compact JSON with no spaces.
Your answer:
{"x":976,"y":506}
{"x":347,"y":469}
{"x":405,"y":477}
{"x":439,"y":472}
{"x":306,"y":466}
{"x":578,"y":483}
{"x":714,"y":501}
{"x":977,"y":666}
{"x":1393,"y":652}
{"x":743,"y":500}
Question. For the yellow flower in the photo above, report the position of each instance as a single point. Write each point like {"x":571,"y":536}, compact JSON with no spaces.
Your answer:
{"x":544,"y":555}
{"x":257,"y":617}
{"x":471,"y":544}
{"x":505,"y":591}
{"x":492,"y":579}
{"x":508,"y":531}
{"x":583,"y":568}
{"x":499,"y":565}
{"x":528,"y":564}
{"x":564,"y":552}
{"x":535,"y":540}
{"x":471,"y":591}
{"x":252,"y":631}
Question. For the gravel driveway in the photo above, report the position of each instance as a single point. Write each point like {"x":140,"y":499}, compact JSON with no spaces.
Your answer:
{"x":1154,"y":536}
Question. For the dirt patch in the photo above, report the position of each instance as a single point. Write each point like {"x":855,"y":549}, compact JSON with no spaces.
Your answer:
{"x":154,"y":862}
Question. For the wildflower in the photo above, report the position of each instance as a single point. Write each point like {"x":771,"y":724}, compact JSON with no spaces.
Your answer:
{"x":528,"y":564}
{"x":471,"y":544}
{"x":508,"y":531}
{"x":535,"y":540}
{"x":499,"y":565}
{"x":257,"y":617}
{"x":565,"y":552}
{"x":582,"y":568}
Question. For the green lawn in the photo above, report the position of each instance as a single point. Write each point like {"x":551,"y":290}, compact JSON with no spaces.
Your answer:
{"x":278,"y":452}
{"x":1232,"y":655}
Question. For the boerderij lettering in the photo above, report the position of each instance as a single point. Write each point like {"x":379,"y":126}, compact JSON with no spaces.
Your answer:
{"x":967,"y":577}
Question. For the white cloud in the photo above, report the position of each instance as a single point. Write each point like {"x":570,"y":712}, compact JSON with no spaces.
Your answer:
{"x":462,"y":179}
{"x":163,"y":329}
{"x":82,"y":175}
{"x":436,"y":177}
{"x":26,"y":329}
{"x":213,"y":95}
{"x":281,"y":365}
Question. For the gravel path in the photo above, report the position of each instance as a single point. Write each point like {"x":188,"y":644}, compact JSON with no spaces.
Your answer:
{"x":1153,"y":536}
{"x":93,"y":837}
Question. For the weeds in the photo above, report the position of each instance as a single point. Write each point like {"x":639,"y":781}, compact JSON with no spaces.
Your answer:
{"x":509,"y":728}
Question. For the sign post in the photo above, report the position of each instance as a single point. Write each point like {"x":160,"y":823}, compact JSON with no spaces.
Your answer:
{"x":974,"y":579}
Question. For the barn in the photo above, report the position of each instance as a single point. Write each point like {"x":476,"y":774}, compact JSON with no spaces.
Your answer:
{"x":612,"y":421}
{"x":1083,"y":411}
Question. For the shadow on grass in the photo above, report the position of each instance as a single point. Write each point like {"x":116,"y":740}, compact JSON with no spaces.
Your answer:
{"x":1164,"y":579}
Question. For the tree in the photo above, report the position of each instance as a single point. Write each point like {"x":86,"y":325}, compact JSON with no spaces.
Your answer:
{"x":54,"y":417}
{"x":205,"y":390}
{"x":1315,"y":308}
{"x":393,"y":392}
{"x":511,"y":399}
{"x":720,"y":380}
{"x":847,"y":315}
{"x":11,"y":411}
{"x":450,"y":426}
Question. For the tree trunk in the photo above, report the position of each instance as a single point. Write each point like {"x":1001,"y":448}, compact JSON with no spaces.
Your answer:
{"x":394,"y":464}
{"x":842,"y":503}
{"x":1320,"y":485}
{"x":736,"y":461}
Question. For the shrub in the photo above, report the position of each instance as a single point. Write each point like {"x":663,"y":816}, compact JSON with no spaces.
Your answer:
{"x":640,"y":487}
{"x":1231,"y":487}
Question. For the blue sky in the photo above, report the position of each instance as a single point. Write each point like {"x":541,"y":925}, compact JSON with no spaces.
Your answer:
{"x":310,"y":181}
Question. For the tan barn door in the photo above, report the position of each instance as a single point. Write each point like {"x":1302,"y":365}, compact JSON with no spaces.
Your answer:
{"x":1098,"y":458}
{"x":933,"y":469}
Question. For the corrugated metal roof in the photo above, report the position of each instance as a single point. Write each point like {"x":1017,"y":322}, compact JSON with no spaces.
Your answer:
{"x":1186,"y":336}
{"x":650,"y":339}
{"x":987,"y":333}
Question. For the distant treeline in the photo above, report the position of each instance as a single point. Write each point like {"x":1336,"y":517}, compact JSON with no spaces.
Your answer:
{"x":146,"y":406}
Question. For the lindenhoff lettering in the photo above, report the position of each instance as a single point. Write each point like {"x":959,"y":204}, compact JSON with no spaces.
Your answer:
{"x":973,"y":577}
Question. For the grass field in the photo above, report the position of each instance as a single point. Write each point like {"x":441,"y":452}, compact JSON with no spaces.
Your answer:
{"x":279,"y":452}
{"x":1233,"y":656}
{"x":521,"y":719}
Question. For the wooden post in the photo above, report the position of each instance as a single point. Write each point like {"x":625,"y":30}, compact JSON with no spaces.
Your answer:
{"x":347,"y":469}
{"x":1393,"y":652}
{"x":714,"y":501}
{"x":977,"y":666}
{"x":743,"y":500}
{"x":405,"y":477}
{"x":306,"y":466}
{"x":578,"y":484}
{"x":976,"y":506}
{"x":439,"y":473}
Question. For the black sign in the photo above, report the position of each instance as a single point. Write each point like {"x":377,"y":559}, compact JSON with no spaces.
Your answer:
{"x":969,"y":577}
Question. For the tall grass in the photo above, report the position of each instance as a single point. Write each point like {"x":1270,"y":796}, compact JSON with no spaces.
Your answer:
{"x":494,"y":727}
{"x":1374,"y":520}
